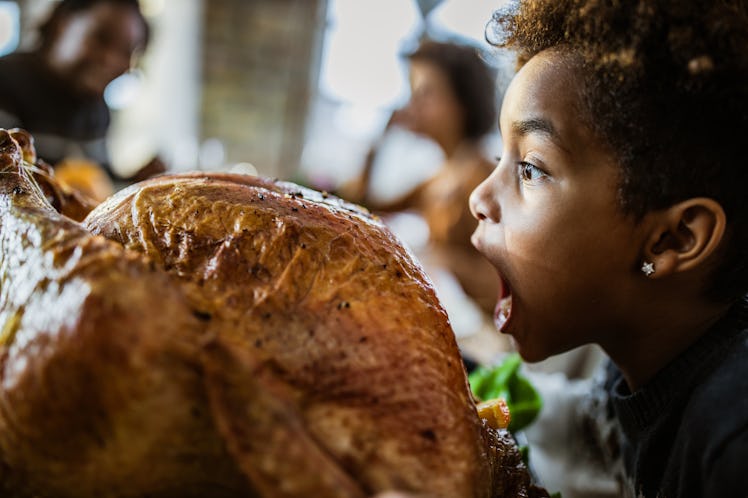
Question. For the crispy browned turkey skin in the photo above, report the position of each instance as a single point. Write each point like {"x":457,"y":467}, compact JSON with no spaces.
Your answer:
{"x":227,"y":336}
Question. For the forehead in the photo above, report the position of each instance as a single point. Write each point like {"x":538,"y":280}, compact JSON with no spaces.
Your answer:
{"x":115,"y":18}
{"x":427,"y":72}
{"x":547,"y":87}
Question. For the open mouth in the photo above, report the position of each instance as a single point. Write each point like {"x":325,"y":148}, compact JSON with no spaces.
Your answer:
{"x":503,"y":309}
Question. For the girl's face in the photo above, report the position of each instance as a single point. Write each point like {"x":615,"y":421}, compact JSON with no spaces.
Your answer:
{"x":549,"y":220}
{"x":92,"y":47}
{"x":433,"y":109}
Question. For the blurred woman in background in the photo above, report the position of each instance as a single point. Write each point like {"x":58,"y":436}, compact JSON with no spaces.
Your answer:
{"x":56,"y":90}
{"x":453,"y":102}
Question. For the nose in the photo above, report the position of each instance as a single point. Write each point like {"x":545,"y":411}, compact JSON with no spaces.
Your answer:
{"x":483,"y":202}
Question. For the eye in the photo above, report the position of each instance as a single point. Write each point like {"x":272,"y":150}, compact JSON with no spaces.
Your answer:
{"x":528,"y":172}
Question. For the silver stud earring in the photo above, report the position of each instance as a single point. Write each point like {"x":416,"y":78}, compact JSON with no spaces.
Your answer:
{"x":648,"y":268}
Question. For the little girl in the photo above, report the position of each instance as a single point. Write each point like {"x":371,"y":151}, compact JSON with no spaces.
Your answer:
{"x":617,"y":215}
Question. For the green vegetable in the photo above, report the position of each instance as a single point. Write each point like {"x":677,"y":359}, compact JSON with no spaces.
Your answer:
{"x":505,"y":381}
{"x":524,"y":452}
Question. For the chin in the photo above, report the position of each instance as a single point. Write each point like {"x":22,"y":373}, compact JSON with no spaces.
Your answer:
{"x":90,"y":90}
{"x":531,"y":355}
{"x":531,"y":351}
{"x":91,"y":86}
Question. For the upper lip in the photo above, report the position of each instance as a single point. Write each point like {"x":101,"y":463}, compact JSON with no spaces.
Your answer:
{"x":477,"y":242}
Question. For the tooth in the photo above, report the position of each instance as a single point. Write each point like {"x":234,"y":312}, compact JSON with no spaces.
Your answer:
{"x":503,"y":310}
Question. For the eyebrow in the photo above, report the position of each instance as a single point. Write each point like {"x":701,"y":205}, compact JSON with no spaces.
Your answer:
{"x":538,"y":125}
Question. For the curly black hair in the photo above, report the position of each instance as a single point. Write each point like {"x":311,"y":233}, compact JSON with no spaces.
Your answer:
{"x":471,"y":79}
{"x":65,"y":8}
{"x":665,"y":87}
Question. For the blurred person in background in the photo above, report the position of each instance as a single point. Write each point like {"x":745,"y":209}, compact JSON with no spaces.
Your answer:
{"x":56,"y":90}
{"x":453,"y":103}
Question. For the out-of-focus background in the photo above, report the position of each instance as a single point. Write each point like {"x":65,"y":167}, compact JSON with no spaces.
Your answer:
{"x":319,"y":92}
{"x":299,"y":89}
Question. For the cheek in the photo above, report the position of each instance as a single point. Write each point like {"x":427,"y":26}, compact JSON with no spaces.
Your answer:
{"x":70,"y":44}
{"x":553,"y":252}
{"x":568,"y":267}
{"x":533,"y":234}
{"x":451,"y":112}
{"x":68,"y":50}
{"x":428,"y":116}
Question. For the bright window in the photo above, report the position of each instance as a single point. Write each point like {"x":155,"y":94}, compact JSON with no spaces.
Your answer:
{"x":363,"y":75}
{"x":10,"y":27}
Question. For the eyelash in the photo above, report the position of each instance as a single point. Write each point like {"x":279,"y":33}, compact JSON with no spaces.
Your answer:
{"x":522,"y":171}
{"x":522,"y":167}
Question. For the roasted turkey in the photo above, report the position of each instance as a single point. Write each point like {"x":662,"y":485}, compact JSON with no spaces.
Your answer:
{"x":211,"y":335}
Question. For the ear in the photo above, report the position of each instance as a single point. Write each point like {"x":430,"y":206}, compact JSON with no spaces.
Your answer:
{"x":684,"y":235}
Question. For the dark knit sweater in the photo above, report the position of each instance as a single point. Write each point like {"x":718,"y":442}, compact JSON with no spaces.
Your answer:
{"x":685,"y":434}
